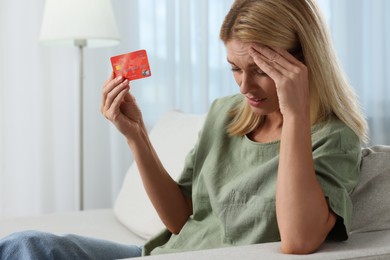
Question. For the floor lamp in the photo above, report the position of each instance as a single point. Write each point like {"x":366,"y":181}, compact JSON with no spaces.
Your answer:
{"x":81,"y":24}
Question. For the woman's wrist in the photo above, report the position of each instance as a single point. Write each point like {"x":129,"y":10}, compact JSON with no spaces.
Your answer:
{"x":138,"y":136}
{"x":302,"y":120}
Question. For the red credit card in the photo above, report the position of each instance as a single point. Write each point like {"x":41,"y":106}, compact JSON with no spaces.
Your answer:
{"x":132,"y":66}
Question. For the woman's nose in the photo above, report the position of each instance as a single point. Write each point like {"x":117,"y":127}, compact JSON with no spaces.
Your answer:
{"x":246,"y":84}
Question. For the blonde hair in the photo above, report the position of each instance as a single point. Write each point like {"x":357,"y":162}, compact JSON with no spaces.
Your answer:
{"x":297,"y":26}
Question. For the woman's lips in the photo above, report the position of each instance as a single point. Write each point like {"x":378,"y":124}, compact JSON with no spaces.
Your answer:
{"x":256,"y":101}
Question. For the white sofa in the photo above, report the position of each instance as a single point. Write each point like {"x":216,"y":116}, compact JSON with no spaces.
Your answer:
{"x":133,"y":220}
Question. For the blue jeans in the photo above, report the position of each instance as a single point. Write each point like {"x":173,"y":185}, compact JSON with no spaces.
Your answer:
{"x":39,"y":245}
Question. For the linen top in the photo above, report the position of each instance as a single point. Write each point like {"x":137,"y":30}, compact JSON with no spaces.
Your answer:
{"x":232,"y":183}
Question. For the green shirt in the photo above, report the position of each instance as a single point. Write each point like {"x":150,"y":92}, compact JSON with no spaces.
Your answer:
{"x":232,"y":182}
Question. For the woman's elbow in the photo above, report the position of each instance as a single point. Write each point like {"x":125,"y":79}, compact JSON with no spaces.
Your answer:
{"x":306,"y":240}
{"x":298,"y":246}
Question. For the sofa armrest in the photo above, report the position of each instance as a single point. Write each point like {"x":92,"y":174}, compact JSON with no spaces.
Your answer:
{"x":371,"y":245}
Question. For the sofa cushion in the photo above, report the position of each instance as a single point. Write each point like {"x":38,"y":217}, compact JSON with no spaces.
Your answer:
{"x":97,"y":223}
{"x":371,"y":197}
{"x":173,"y":137}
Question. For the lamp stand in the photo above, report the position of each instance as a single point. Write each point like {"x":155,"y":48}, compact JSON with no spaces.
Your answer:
{"x":80,"y":44}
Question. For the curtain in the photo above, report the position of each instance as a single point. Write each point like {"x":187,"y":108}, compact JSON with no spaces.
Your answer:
{"x":38,"y":90}
{"x":361,"y":32}
{"x":37,"y":110}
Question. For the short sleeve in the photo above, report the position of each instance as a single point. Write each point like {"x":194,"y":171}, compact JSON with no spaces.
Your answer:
{"x":337,"y":156}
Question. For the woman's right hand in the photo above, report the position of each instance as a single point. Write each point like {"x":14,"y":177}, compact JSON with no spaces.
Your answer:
{"x":120,"y":107}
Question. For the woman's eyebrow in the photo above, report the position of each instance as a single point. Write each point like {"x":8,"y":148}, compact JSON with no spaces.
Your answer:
{"x":231,"y":62}
{"x":253,"y":65}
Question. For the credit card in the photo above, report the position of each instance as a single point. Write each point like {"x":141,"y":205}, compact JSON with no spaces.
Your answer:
{"x":132,"y":66}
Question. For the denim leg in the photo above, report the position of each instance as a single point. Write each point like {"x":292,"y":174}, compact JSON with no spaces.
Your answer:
{"x":39,"y":245}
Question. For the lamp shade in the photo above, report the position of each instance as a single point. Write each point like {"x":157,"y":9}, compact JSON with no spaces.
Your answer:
{"x":67,"y":21}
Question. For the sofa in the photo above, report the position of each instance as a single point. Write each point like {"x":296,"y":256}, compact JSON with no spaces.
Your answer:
{"x":132,"y":220}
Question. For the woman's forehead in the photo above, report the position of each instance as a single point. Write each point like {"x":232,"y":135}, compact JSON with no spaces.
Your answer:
{"x":237,"y":47}
{"x":237,"y":53}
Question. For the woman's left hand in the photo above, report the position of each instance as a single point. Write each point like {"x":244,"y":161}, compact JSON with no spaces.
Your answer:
{"x":290,"y":77}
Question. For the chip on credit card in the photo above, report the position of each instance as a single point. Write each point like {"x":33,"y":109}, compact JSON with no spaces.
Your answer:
{"x":132,"y":66}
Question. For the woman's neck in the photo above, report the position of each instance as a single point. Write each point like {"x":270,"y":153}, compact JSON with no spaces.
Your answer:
{"x":269,"y":130}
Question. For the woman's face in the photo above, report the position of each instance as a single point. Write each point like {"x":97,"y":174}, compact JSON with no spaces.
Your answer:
{"x":255,"y":85}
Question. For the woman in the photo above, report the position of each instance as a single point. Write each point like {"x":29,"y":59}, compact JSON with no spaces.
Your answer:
{"x":273,"y":163}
